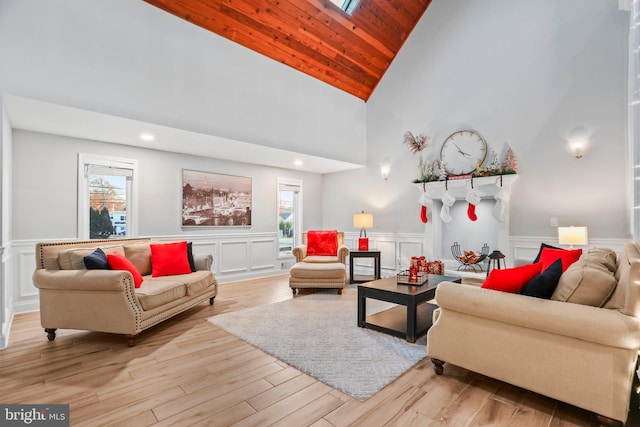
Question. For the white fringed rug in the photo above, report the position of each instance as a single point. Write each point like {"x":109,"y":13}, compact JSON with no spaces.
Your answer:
{"x":318,"y":334}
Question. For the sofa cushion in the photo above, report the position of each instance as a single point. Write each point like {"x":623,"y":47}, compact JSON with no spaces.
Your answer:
{"x":542,"y":246}
{"x":96,"y":260}
{"x":140,"y":256}
{"x":323,"y":242}
{"x":157,"y":292}
{"x":511,"y":279}
{"x":194,"y":282}
{"x":568,"y":257}
{"x":605,"y":256}
{"x":543,"y":284}
{"x":324,"y":270}
{"x":117,"y":261}
{"x":192,"y":263}
{"x":587,"y":281}
{"x":73,"y":259}
{"x":168,"y":259}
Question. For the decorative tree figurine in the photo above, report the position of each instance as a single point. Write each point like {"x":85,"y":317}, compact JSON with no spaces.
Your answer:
{"x":510,"y":163}
{"x":443,"y":172}
{"x":494,"y":165}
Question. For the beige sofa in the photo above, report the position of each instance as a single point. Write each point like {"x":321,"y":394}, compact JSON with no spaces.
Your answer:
{"x":327,"y":272}
{"x":580,"y":354}
{"x":73,"y":297}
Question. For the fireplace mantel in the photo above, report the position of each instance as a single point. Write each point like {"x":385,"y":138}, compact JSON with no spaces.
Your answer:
{"x":485,"y":186}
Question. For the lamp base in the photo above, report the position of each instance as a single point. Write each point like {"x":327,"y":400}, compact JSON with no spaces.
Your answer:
{"x":363,"y":244}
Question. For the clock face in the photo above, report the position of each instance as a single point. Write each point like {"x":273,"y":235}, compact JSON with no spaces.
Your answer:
{"x":462,"y":151}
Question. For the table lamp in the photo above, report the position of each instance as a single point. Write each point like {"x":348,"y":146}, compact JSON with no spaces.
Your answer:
{"x":572,"y":236}
{"x":363,"y":221}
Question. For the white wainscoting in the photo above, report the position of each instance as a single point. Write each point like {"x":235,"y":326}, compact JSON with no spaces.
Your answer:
{"x":396,"y":250}
{"x":238,"y":256}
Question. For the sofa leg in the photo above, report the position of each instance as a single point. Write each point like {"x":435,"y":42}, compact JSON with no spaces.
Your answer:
{"x":294,"y":290}
{"x":438,"y":366}
{"x":608,"y":422}
{"x":131,"y":340}
{"x":51,"y":333}
{"x":211,"y":300}
{"x":339,"y":291}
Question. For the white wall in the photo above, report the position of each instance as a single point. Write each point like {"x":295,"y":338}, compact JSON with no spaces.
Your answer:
{"x":526,"y":73}
{"x":6,"y":291}
{"x":130,"y":59}
{"x":44,"y":201}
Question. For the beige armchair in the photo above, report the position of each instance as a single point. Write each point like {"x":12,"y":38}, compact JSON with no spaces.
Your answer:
{"x":327,"y":272}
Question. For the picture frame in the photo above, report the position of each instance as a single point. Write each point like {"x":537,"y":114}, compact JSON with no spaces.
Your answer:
{"x":215,"y":200}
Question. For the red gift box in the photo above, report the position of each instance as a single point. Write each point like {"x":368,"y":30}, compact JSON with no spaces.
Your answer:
{"x":363,"y":244}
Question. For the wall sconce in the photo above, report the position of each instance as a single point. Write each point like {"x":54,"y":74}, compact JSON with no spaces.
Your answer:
{"x":363,"y":221}
{"x":572,"y":236}
{"x":578,"y":147}
{"x":384,"y":171}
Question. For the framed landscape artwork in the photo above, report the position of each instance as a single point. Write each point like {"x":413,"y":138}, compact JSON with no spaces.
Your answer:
{"x":215,"y":200}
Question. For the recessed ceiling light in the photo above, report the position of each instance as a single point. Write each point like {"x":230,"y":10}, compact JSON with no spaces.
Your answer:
{"x":146,"y":136}
{"x":297,"y":162}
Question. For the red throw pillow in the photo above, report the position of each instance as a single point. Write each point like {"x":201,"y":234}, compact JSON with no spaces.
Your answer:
{"x":568,"y":257}
{"x":117,"y":261}
{"x":322,"y":243}
{"x":168,"y":259}
{"x":511,"y":279}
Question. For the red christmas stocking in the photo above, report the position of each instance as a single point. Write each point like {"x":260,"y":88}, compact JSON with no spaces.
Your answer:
{"x":471,"y":212}
{"x":423,"y":214}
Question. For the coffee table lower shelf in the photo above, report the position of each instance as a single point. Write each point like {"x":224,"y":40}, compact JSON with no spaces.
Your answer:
{"x":393,"y":321}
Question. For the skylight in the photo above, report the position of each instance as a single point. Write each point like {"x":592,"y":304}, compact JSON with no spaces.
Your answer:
{"x":348,"y":6}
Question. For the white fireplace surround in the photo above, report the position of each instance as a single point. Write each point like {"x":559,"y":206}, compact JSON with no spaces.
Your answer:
{"x":486,"y":188}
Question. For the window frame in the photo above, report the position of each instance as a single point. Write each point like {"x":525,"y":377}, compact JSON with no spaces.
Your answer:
{"x":297,"y":218}
{"x":84,"y":160}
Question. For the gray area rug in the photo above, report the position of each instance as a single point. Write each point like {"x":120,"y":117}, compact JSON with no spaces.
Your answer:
{"x":318,"y":334}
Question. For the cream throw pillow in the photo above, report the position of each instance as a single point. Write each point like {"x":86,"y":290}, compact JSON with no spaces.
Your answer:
{"x":73,"y":259}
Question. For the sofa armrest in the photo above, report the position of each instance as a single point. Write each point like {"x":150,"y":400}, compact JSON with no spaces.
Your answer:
{"x":203,"y":262}
{"x":83,"y":280}
{"x":583,"y":322}
{"x":300,"y":252}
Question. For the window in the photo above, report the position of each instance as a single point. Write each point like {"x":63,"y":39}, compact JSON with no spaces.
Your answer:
{"x":107,"y":197}
{"x":289,"y":215}
{"x":348,"y":6}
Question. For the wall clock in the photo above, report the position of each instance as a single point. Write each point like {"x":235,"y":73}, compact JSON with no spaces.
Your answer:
{"x":462,"y":151}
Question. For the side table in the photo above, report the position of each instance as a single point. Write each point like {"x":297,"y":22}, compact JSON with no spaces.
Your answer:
{"x":372,"y":253}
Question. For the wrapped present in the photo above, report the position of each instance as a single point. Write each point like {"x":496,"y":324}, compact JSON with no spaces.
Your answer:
{"x":435,"y":267}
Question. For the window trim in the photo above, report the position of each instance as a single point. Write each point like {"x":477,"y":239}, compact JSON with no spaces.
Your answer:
{"x":297,"y":238}
{"x":85,"y":159}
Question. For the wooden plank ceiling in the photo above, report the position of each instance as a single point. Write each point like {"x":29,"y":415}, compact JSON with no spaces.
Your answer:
{"x":315,"y":37}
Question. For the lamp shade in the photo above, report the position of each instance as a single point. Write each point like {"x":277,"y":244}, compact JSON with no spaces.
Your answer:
{"x":572,"y":235}
{"x":363,"y":220}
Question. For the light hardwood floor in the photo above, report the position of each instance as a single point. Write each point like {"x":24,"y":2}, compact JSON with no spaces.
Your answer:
{"x":188,"y":372}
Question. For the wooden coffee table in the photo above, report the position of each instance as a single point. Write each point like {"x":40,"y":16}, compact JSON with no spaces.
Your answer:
{"x":411,"y":318}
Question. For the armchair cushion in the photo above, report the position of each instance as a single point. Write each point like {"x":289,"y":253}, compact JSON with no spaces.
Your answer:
{"x":322,"y":243}
{"x":511,"y":279}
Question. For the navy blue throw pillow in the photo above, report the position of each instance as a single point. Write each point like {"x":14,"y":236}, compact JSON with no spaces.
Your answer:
{"x":544,"y":284}
{"x":542,"y":246}
{"x":96,"y":260}
{"x":192,"y":264}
